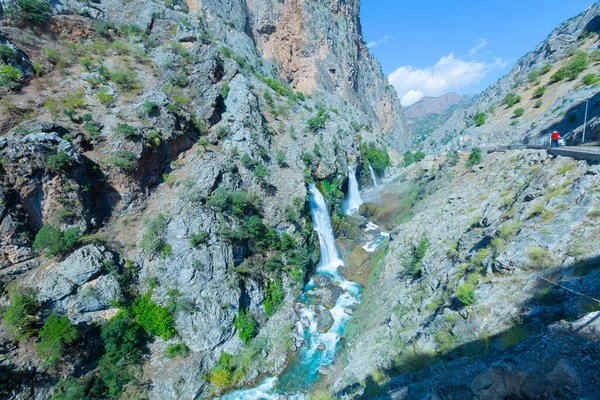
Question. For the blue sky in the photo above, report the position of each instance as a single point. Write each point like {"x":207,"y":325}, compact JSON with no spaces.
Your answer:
{"x":430,"y":47}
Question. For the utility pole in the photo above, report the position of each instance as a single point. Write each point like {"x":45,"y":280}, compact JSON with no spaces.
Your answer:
{"x":585,"y":121}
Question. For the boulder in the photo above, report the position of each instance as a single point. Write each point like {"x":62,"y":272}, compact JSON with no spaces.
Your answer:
{"x":324,"y":319}
{"x":85,"y":263}
{"x":367,"y":209}
{"x":323,"y":280}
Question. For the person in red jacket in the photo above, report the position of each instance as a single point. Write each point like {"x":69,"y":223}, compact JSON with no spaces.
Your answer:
{"x":555,"y":136}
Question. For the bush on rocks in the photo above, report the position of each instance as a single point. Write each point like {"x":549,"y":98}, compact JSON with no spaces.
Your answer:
{"x":56,"y":336}
{"x":19,"y":315}
{"x":55,"y":241}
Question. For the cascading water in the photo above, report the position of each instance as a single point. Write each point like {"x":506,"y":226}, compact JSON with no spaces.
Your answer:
{"x":353,"y":199}
{"x":373,"y":176}
{"x":319,"y":348}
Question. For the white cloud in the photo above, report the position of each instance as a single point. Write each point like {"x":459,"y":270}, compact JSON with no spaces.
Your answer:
{"x":449,"y":74}
{"x":481,"y":43}
{"x":377,"y":42}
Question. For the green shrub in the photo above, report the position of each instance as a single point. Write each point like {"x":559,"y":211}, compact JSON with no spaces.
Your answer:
{"x":71,"y":388}
{"x":281,"y":158}
{"x":9,"y":75}
{"x":474,"y":157}
{"x":126,"y":130}
{"x":149,"y":108}
{"x":413,"y":267}
{"x":508,"y":229}
{"x":519,"y":112}
{"x":153,"y":236}
{"x":54,"y":241}
{"x":318,"y":122}
{"x":179,"y":48}
{"x":123,"y":159}
{"x":307,"y":158}
{"x":125,"y":80}
{"x":122,"y":339}
{"x":378,"y":159}
{"x":199,"y":238}
{"x":572,"y":69}
{"x":59,"y":161}
{"x":538,"y":104}
{"x":6,"y":53}
{"x":274,"y":264}
{"x":279,"y":88}
{"x":545,"y":69}
{"x":245,"y":325}
{"x":466,"y":293}
{"x":479,"y":119}
{"x":176,"y":350}
{"x":410,"y":158}
{"x":56,"y":336}
{"x":166,"y":250}
{"x":533,"y":77}
{"x":19,"y":315}
{"x":33,"y":11}
{"x":261,"y":172}
{"x":105,"y":97}
{"x":511,"y":99}
{"x":539,"y":257}
{"x":154,"y":318}
{"x":590,"y":79}
{"x":539,"y":92}
{"x":274,"y":296}
{"x":246,"y":160}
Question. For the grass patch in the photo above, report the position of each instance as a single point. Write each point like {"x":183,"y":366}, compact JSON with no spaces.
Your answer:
{"x":539,"y":257}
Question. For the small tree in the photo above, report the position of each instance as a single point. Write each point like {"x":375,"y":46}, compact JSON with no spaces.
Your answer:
{"x":511,"y":99}
{"x":245,"y":325}
{"x":475,"y":157}
{"x":479,"y":119}
{"x":19,"y":316}
{"x":56,"y":336}
{"x":126,"y":130}
{"x":539,"y":92}
{"x":59,"y":161}
{"x":55,"y":241}
{"x":519,"y":112}
{"x":33,"y":11}
{"x":590,"y":79}
{"x":9,"y":75}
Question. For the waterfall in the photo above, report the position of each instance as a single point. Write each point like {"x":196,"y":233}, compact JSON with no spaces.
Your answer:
{"x":319,"y":348}
{"x":319,"y":212}
{"x":353,"y":200}
{"x":373,"y":176}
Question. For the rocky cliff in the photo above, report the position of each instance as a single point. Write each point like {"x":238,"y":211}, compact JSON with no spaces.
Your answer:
{"x":546,"y":90}
{"x":153,"y":167}
{"x":487,"y":288}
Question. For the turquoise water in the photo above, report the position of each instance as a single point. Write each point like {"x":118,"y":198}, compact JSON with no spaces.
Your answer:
{"x":319,"y":348}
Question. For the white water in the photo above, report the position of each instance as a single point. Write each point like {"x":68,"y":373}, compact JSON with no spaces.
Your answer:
{"x":373,"y":176}
{"x":330,"y":259}
{"x":377,"y":240}
{"x":303,"y":371}
{"x":353,"y":199}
